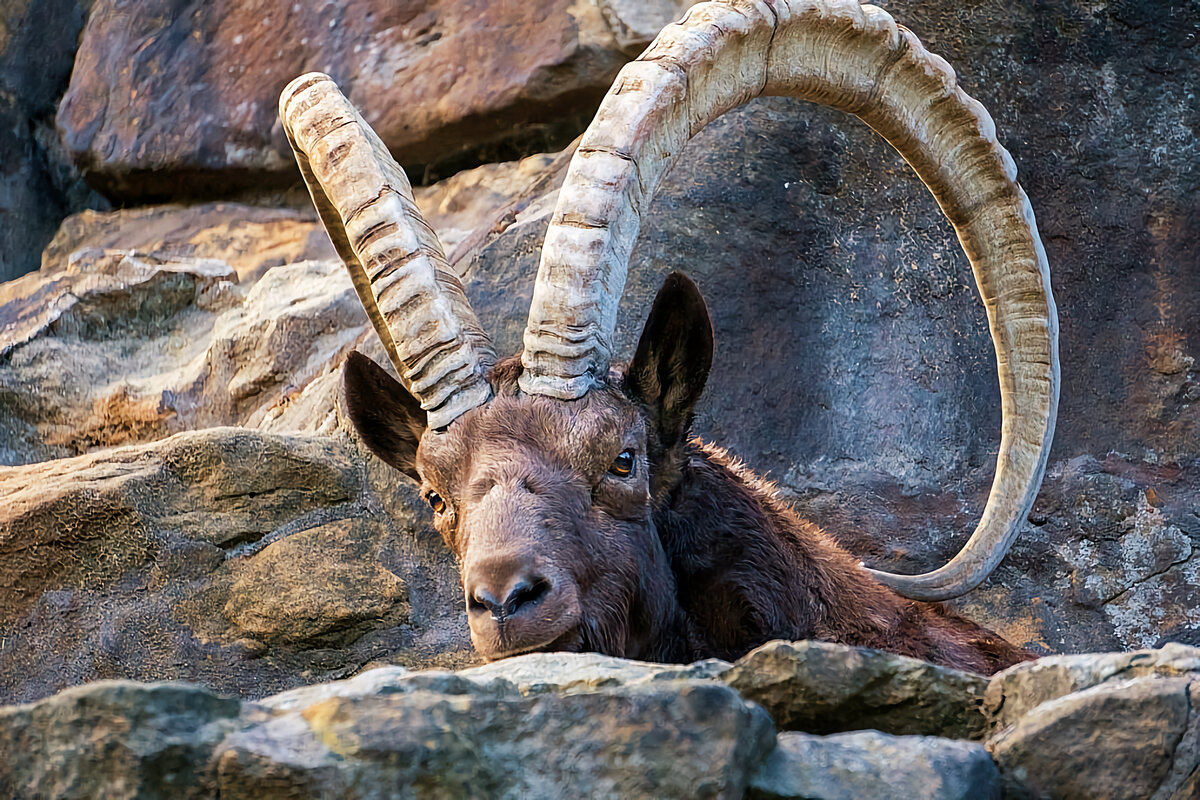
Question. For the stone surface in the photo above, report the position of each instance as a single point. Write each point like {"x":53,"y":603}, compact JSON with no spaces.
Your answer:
{"x":176,"y":97}
{"x":817,"y":687}
{"x":156,"y":347}
{"x":1015,"y":692}
{"x":38,"y":39}
{"x":250,"y":239}
{"x":394,"y":733}
{"x":115,"y":739}
{"x":451,"y":738}
{"x":1120,"y":739}
{"x":849,"y":766}
{"x":249,"y":562}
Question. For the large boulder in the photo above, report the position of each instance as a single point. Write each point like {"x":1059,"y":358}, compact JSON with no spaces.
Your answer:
{"x":178,"y":97}
{"x":250,"y":562}
{"x":391,"y":733}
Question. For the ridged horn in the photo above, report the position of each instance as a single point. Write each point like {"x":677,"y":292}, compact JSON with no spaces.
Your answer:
{"x":856,"y":59}
{"x":411,"y":295}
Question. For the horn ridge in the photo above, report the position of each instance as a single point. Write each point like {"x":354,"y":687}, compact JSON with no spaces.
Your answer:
{"x":856,"y":59}
{"x":411,"y":295}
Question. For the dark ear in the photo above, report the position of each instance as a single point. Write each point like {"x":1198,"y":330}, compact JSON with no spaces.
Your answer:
{"x":388,"y":419}
{"x":673,"y":358}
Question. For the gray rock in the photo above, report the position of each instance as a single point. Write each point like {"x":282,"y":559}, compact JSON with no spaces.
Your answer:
{"x":115,"y":739}
{"x":1015,"y":692}
{"x":819,"y":687}
{"x":851,"y":766}
{"x":1120,"y":739}
{"x":425,"y":734}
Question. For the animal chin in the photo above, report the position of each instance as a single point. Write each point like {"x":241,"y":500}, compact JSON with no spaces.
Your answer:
{"x":499,"y":643}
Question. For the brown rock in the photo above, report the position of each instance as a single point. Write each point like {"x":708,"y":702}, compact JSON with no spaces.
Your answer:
{"x":321,"y":585}
{"x":130,"y":564}
{"x":248,"y":238}
{"x":180,"y":95}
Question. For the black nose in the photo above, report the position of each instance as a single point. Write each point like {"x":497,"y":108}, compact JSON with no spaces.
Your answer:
{"x":523,"y":593}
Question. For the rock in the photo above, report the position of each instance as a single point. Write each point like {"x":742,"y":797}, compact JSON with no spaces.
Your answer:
{"x":1015,"y":692}
{"x":250,"y":239}
{"x":392,"y":733}
{"x":179,"y":96}
{"x":585,"y":671}
{"x":249,"y":562}
{"x":321,"y":584}
{"x":848,"y":766}
{"x":127,"y":348}
{"x":38,"y":39}
{"x":819,"y":687}
{"x":415,"y":732}
{"x":1130,"y":738}
{"x":115,"y":739}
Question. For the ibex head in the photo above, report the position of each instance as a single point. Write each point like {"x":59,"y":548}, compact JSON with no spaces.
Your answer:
{"x":544,"y":475}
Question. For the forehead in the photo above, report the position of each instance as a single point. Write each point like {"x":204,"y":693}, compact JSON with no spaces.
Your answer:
{"x":581,"y":435}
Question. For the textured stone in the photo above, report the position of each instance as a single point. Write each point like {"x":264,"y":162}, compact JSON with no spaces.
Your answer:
{"x":405,"y":735}
{"x":1015,"y":692}
{"x":179,"y":96}
{"x":320,"y":585}
{"x":115,"y":739}
{"x":849,"y":766}
{"x":1116,"y":740}
{"x":248,"y":238}
{"x":246,"y":561}
{"x":817,"y":687}
{"x":38,"y":39}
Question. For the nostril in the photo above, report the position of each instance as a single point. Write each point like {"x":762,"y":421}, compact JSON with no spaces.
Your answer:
{"x":481,"y":600}
{"x":526,"y":593}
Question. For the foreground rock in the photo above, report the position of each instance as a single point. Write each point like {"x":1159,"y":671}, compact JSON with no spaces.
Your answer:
{"x":824,"y":688}
{"x":1099,"y":726}
{"x":849,"y":766}
{"x":388,"y":733}
{"x":249,"y":562}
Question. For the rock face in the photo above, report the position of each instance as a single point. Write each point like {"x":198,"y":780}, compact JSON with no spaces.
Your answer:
{"x":823,"y":688}
{"x":848,"y":766}
{"x":439,"y":80}
{"x":1103,"y":726}
{"x":37,"y":189}
{"x":250,"y":562}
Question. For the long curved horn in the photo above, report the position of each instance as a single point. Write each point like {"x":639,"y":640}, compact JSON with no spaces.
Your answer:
{"x":854,"y":58}
{"x":412,"y":296}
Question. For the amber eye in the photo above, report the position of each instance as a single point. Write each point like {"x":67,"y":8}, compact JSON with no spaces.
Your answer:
{"x":623,"y":464}
{"x":436,"y":502}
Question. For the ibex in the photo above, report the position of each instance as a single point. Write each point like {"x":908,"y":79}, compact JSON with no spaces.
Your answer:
{"x":583,"y":515}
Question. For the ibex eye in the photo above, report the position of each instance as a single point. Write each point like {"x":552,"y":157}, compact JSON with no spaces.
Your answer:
{"x":436,"y":502}
{"x":623,"y":464}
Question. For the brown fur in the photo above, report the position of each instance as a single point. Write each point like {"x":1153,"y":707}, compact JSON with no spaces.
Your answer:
{"x":687,"y":556}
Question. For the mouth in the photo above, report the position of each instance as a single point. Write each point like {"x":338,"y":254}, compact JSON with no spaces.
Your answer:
{"x":570,"y":641}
